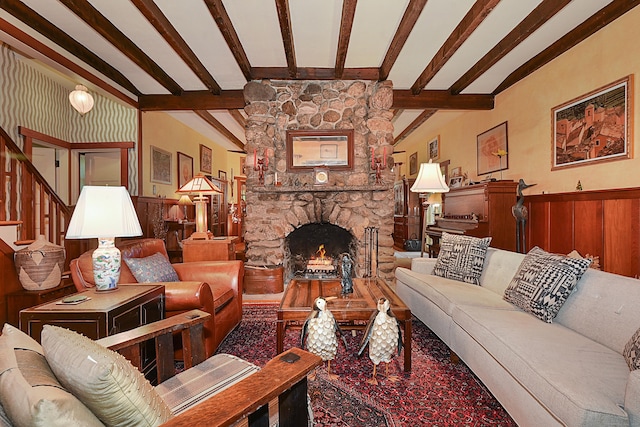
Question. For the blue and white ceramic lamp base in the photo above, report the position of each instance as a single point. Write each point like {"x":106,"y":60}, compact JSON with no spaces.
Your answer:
{"x":106,"y":264}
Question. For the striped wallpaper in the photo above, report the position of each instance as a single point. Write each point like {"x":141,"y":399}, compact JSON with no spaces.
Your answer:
{"x":31,"y":99}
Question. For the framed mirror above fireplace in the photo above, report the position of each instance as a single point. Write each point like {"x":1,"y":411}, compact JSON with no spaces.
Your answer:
{"x":309,"y":149}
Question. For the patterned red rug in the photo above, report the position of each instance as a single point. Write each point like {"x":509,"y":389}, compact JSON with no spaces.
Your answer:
{"x":436,"y":392}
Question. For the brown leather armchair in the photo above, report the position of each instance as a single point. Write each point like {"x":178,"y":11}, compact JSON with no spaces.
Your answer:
{"x":211,"y":286}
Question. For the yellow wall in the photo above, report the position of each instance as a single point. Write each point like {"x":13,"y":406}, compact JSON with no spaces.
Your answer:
{"x":163,"y":131}
{"x":603,"y":58}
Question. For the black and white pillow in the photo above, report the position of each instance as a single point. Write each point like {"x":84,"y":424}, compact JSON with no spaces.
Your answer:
{"x":543,"y":282}
{"x":461,"y":257}
{"x":631,"y":351}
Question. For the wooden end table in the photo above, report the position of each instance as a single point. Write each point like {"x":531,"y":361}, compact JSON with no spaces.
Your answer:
{"x":105,"y":313}
{"x":352,"y":311}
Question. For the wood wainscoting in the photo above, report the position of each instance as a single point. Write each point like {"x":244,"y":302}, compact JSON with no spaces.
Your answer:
{"x":604,"y":223}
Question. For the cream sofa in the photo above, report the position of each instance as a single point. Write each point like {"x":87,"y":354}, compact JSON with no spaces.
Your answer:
{"x":570,"y":372}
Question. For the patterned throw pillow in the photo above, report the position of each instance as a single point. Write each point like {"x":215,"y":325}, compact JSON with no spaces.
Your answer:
{"x":461,"y":258}
{"x":631,"y":351}
{"x":115,"y":391}
{"x":154,"y":268}
{"x":543,"y":282}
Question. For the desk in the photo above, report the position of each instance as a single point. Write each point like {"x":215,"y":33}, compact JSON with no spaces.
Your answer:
{"x":215,"y":249}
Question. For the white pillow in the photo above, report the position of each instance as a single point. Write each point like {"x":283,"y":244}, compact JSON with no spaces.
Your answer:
{"x":29,"y":392}
{"x":102,"y":379}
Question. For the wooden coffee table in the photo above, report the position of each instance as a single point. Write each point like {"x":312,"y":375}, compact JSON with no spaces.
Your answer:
{"x":352,"y":311}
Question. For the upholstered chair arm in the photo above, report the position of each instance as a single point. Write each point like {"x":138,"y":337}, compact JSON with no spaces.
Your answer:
{"x":181,"y":296}
{"x":212,"y":272}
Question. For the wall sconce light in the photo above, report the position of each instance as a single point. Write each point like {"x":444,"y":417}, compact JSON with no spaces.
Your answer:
{"x":81,"y":99}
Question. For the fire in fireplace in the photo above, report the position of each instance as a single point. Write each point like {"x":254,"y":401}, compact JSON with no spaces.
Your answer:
{"x":314,"y":250}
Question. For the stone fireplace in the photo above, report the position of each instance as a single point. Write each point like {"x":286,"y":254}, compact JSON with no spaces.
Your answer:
{"x":285,"y":223}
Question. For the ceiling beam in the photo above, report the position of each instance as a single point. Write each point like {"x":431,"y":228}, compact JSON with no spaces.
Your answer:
{"x":441,"y":100}
{"x":478,"y":12}
{"x":415,"y":124}
{"x":409,"y":19}
{"x":160,"y":22}
{"x":29,"y":17}
{"x":64,"y":62}
{"x":346,"y":24}
{"x":284,"y":17}
{"x":85,"y":11}
{"x":207,"y":117}
{"x":539,"y":16}
{"x":193,"y":100}
{"x":604,"y":17}
{"x":219,"y":14}
{"x":239,"y":118}
{"x":281,"y":73}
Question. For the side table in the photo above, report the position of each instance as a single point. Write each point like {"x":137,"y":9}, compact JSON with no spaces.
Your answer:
{"x":103,"y":314}
{"x":22,"y":299}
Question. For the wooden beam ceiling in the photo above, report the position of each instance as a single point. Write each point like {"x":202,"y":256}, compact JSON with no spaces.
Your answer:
{"x":160,"y":22}
{"x":540,"y":15}
{"x":85,"y":11}
{"x":284,"y":17}
{"x":207,"y":117}
{"x":478,"y":12}
{"x":346,"y":24}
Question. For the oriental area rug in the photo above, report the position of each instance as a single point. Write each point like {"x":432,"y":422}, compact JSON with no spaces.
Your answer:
{"x":436,"y":392}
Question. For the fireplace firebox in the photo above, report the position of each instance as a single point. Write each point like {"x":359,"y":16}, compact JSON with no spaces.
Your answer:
{"x":314,"y":251}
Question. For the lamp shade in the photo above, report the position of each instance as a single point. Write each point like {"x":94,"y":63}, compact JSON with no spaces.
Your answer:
{"x":199,"y":184}
{"x":430,"y":179}
{"x":185,"y":200}
{"x":103,"y":212}
{"x":81,"y":99}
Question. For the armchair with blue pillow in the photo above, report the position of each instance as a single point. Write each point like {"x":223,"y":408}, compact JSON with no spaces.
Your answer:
{"x":211,"y":286}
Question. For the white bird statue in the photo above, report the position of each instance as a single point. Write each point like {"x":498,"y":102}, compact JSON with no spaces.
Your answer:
{"x":383,"y":337}
{"x":319,"y":331}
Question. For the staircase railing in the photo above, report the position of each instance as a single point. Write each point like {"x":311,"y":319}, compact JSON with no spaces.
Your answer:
{"x":28,"y":198}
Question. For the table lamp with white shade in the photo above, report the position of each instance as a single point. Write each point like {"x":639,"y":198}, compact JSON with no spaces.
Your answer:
{"x":104,"y":213}
{"x":201,"y":186}
{"x":429,"y":180}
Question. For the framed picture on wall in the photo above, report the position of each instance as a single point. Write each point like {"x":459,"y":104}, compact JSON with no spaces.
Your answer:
{"x":413,"y":164}
{"x":185,"y":169}
{"x":160,"y":166}
{"x":433,"y":148}
{"x":594,"y":127}
{"x":205,"y":158}
{"x":491,"y":145}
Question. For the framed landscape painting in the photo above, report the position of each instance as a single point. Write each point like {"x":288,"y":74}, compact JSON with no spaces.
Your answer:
{"x":594,"y":127}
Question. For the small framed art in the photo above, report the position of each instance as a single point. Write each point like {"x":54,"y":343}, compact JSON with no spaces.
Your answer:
{"x":413,"y":164}
{"x":185,"y":169}
{"x":160,"y":166}
{"x":493,"y":150}
{"x":433,"y":148}
{"x":205,"y":158}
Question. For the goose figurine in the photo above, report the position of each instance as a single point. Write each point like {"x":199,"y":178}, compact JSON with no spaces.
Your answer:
{"x":319,"y":333}
{"x":383,"y":337}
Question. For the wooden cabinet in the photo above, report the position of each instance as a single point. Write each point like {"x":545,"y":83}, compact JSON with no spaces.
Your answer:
{"x":22,"y":299}
{"x":216,"y":249}
{"x":218,"y":209}
{"x":407,"y":213}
